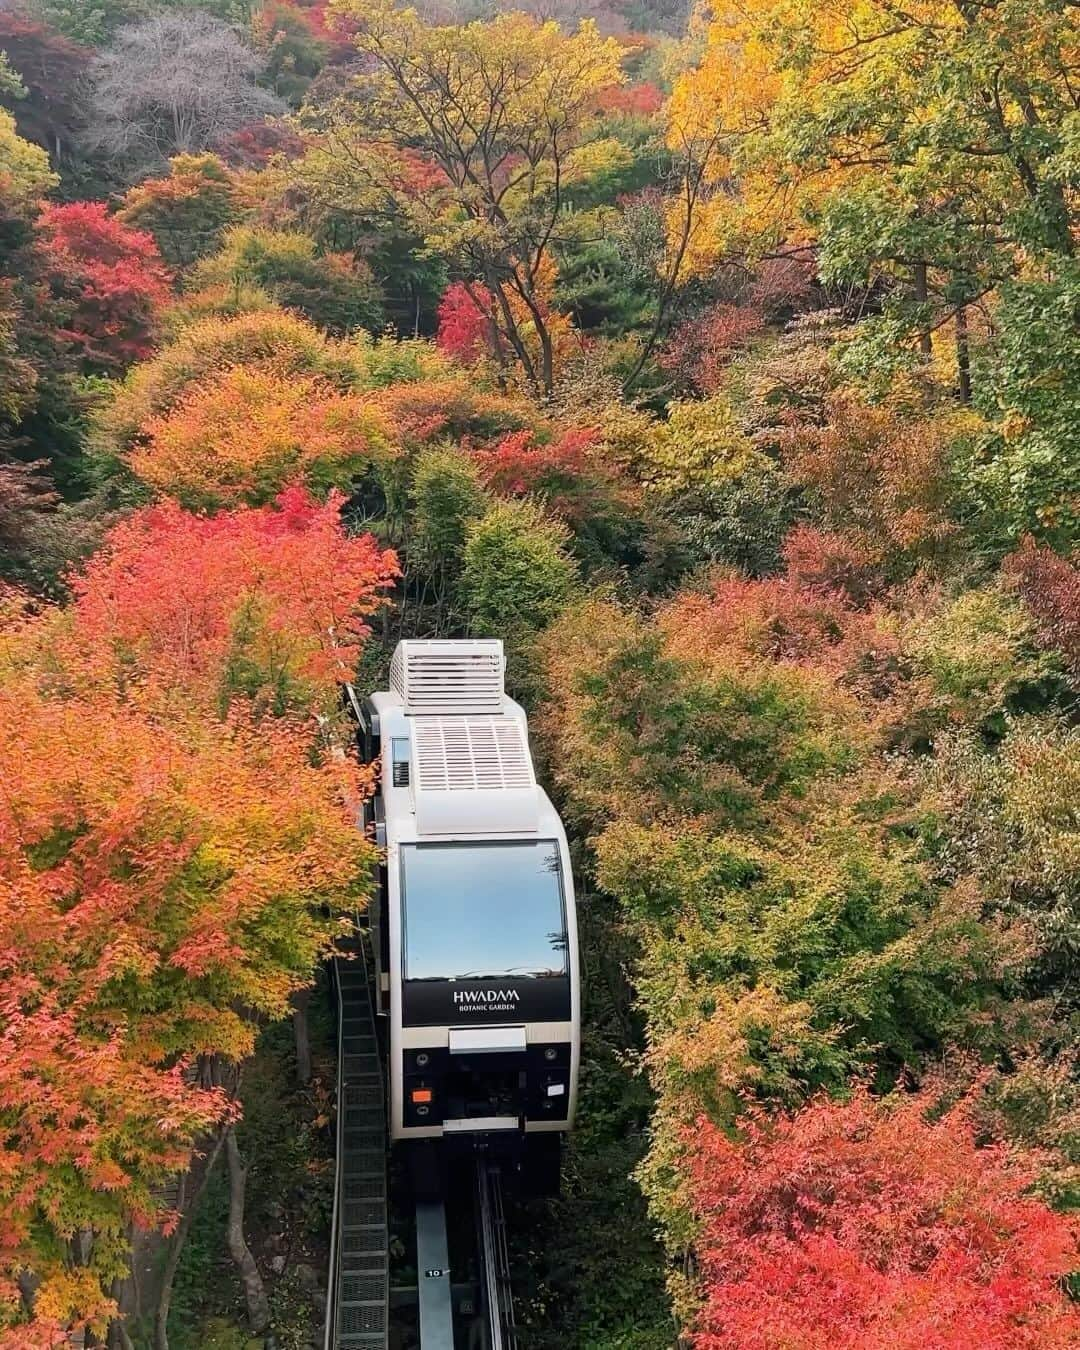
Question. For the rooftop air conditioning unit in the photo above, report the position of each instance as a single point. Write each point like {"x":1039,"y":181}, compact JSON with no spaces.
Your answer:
{"x":473,"y":775}
{"x":434,"y":677}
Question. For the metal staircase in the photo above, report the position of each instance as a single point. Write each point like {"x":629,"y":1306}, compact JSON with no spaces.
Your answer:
{"x":359,"y":1302}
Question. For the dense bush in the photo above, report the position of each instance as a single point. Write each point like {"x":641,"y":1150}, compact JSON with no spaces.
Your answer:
{"x":334,"y":291}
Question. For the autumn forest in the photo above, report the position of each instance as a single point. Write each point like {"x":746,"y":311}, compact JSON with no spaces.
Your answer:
{"x":724,"y":361}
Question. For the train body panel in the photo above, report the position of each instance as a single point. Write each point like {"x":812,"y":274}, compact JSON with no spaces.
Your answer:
{"x":476,"y":920}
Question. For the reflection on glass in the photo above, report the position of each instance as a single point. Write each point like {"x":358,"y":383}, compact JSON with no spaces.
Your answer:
{"x":480,"y":911}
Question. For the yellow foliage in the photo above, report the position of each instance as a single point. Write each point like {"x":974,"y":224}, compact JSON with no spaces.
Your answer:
{"x":24,"y":168}
{"x":246,"y":435}
{"x":701,"y":445}
{"x":800,"y":101}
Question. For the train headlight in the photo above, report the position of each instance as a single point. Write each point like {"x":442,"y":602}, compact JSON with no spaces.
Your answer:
{"x":421,"y":1097}
{"x":551,"y":1054}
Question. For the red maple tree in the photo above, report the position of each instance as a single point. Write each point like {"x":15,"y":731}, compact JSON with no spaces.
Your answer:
{"x":109,"y":280}
{"x":867,"y":1223}
{"x":464,"y":327}
{"x":270,"y":602}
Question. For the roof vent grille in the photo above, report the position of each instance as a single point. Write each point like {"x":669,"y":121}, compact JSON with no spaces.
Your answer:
{"x":448,"y":676}
{"x":470,"y":754}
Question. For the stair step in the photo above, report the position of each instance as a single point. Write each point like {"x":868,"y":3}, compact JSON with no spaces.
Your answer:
{"x":361,"y":1289}
{"x":363,"y":1092}
{"x":363,"y":1068}
{"x":372,"y":1165}
{"x":360,"y":1243}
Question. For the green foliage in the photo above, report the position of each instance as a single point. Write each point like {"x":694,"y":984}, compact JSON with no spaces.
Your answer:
{"x":333,"y":291}
{"x":201,"y":1280}
{"x":517,"y":575}
{"x":702,"y":444}
{"x":446,"y":498}
{"x":288,"y":1152}
{"x":90,"y":23}
{"x":294,"y":52}
{"x":11,"y":85}
{"x":386,"y":361}
{"x":783,"y":970}
{"x":1007,"y":817}
{"x":743,"y":523}
{"x":598,"y":284}
{"x":217,"y":302}
{"x":647,"y":730}
{"x":1027,"y":477}
{"x":794,"y":926}
{"x":578,"y":1285}
{"x":980,"y":659}
{"x":186,"y":212}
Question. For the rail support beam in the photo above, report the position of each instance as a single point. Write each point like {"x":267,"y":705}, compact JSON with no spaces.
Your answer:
{"x":432,"y":1256}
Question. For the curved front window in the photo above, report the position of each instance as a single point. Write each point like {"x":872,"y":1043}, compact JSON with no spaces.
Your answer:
{"x":483,"y":911}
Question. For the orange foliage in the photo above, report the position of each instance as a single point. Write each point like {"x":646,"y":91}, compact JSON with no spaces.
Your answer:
{"x":790,"y":620}
{"x":173,"y":863}
{"x":88,"y":1126}
{"x":425,"y":411}
{"x":141,"y":844}
{"x":246,"y":435}
{"x":165,"y":880}
{"x":878,"y":473}
{"x":833,"y":561}
{"x":632,"y":100}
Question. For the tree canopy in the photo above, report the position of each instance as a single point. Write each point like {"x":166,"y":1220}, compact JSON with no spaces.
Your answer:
{"x":722,"y":362}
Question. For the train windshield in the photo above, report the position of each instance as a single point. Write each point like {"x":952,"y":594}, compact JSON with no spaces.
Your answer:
{"x":474,"y":911}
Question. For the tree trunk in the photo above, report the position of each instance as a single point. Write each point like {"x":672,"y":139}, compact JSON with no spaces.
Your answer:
{"x":547,"y":358}
{"x":118,"y":1336}
{"x":963,"y":356}
{"x":300,"y":1002}
{"x":188,"y":1208}
{"x":258,"y":1307}
{"x":122,"y":1291}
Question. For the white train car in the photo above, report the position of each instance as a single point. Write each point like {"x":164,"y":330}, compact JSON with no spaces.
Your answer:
{"x":474,"y":923}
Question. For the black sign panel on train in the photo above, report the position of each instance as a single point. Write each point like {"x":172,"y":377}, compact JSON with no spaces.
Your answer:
{"x":440,"y":1003}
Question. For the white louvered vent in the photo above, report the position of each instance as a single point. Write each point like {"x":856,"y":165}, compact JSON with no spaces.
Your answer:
{"x":448,"y":677}
{"x":471,"y":754}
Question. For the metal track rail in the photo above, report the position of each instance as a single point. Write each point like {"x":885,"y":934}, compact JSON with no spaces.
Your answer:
{"x":358,"y":1303}
{"x":494,"y":1257}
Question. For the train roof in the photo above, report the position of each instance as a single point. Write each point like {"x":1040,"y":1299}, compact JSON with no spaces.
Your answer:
{"x":470,"y":770}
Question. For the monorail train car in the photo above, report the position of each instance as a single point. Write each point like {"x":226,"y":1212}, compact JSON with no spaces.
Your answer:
{"x":474,"y":924}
